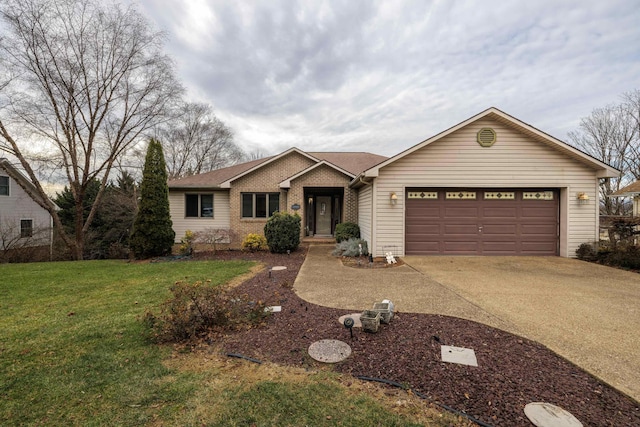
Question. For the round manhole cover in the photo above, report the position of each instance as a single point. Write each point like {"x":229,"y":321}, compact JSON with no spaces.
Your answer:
{"x":547,"y":415}
{"x":356,"y":319}
{"x":329,"y":351}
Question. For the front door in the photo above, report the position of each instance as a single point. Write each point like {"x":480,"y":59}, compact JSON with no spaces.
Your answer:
{"x":323,"y":215}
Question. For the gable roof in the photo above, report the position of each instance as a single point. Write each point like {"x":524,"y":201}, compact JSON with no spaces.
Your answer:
{"x":632,"y":189}
{"x":21,"y":180}
{"x":604,"y":170}
{"x":349,"y":163}
{"x":287,"y":182}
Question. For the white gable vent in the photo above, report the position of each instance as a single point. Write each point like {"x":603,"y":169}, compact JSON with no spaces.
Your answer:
{"x":486,"y":137}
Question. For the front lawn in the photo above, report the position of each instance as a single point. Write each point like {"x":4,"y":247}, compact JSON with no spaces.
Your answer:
{"x":73,"y":351}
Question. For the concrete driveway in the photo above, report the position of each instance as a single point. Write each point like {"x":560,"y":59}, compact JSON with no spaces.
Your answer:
{"x":587,"y":313}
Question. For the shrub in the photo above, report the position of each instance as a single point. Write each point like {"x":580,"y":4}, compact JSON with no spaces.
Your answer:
{"x":586,"y":252}
{"x":625,"y":257}
{"x":215,"y":237}
{"x":199,"y":309}
{"x":351,"y":248}
{"x":186,"y":243}
{"x":346,"y":231}
{"x":254,"y":242}
{"x":282,"y":231}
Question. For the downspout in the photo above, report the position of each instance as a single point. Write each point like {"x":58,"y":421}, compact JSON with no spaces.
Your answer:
{"x":50,"y":237}
{"x":373,"y":206}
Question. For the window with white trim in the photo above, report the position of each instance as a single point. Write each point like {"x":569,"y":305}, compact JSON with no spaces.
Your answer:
{"x":260,"y":205}
{"x":198,"y":205}
{"x":26,"y":228}
{"x":4,"y":185}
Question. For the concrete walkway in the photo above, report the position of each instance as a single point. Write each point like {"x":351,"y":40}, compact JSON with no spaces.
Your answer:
{"x":587,"y":313}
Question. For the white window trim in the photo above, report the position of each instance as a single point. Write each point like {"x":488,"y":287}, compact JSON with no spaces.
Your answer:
{"x":8,"y":185}
{"x":26,"y":219}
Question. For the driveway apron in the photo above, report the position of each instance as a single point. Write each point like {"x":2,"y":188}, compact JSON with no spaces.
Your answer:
{"x":587,"y":313}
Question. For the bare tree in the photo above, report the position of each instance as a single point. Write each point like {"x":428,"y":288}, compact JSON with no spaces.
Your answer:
{"x":255,"y":154}
{"x":196,"y":141}
{"x":631,"y":103}
{"x":87,"y":79}
{"x":608,"y":135}
{"x":215,"y":237}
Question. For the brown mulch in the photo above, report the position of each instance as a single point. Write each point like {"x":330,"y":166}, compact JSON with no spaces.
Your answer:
{"x":365,"y":262}
{"x":512,"y":371}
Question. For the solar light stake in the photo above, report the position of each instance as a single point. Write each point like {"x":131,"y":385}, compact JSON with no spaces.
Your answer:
{"x":348,"y":323}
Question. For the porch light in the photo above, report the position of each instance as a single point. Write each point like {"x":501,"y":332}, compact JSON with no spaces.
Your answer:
{"x":583,"y":197}
{"x":393,"y":198}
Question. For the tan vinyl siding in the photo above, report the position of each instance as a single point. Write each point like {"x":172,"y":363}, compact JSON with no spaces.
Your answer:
{"x":181,"y":224}
{"x":514,"y":161}
{"x":365,"y":205}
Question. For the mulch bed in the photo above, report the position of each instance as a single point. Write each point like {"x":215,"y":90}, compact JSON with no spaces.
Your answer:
{"x":512,"y":371}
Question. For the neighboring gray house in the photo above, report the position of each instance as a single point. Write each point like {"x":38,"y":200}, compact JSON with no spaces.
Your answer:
{"x":24,"y":224}
{"x":491,"y":185}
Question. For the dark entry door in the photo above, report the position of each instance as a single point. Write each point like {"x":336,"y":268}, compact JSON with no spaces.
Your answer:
{"x":323,"y":215}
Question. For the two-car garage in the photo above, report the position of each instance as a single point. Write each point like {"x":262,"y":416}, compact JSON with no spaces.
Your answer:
{"x":490,"y":185}
{"x":481,"y":221}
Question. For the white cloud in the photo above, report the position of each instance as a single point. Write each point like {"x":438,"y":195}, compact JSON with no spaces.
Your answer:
{"x":382,"y":76}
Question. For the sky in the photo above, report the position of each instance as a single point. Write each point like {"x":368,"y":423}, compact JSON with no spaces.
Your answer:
{"x":382,"y":76}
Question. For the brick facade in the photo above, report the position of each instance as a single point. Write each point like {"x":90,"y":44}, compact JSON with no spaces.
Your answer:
{"x":266,"y":179}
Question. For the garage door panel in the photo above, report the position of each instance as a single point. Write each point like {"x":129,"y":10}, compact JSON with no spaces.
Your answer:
{"x":490,"y":226}
{"x":538,"y":230}
{"x":490,"y":229}
{"x":537,"y":248}
{"x":460,"y":229}
{"x":461,"y":212}
{"x":461,"y":247}
{"x":499,"y":212}
{"x":423,"y":212}
{"x":500,"y":248}
{"x":537,"y":211}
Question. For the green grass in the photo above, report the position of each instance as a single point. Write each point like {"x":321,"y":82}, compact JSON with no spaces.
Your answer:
{"x":74,"y":351}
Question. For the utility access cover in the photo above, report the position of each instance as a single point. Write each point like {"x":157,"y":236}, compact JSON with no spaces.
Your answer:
{"x":547,"y":415}
{"x":460,"y":355}
{"x":329,"y":351}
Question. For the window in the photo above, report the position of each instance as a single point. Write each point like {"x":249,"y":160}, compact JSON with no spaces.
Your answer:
{"x":198,"y":205}
{"x":260,"y":205}
{"x":26,"y":228}
{"x":4,"y":185}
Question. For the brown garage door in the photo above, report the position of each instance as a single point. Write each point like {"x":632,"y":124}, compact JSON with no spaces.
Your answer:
{"x":481,"y":222}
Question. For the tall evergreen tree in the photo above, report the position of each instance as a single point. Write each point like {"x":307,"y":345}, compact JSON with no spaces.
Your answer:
{"x":153,"y":233}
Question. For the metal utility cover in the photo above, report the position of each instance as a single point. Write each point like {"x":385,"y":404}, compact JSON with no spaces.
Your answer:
{"x":547,"y":415}
{"x":460,"y":355}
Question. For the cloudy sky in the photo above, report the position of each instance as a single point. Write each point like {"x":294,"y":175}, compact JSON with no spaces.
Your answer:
{"x":381,"y":76}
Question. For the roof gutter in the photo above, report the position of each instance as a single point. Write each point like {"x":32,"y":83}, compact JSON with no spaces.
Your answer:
{"x":359,"y":181}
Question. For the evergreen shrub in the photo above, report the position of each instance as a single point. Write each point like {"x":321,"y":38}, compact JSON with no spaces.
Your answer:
{"x":346,"y":231}
{"x":282,"y":231}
